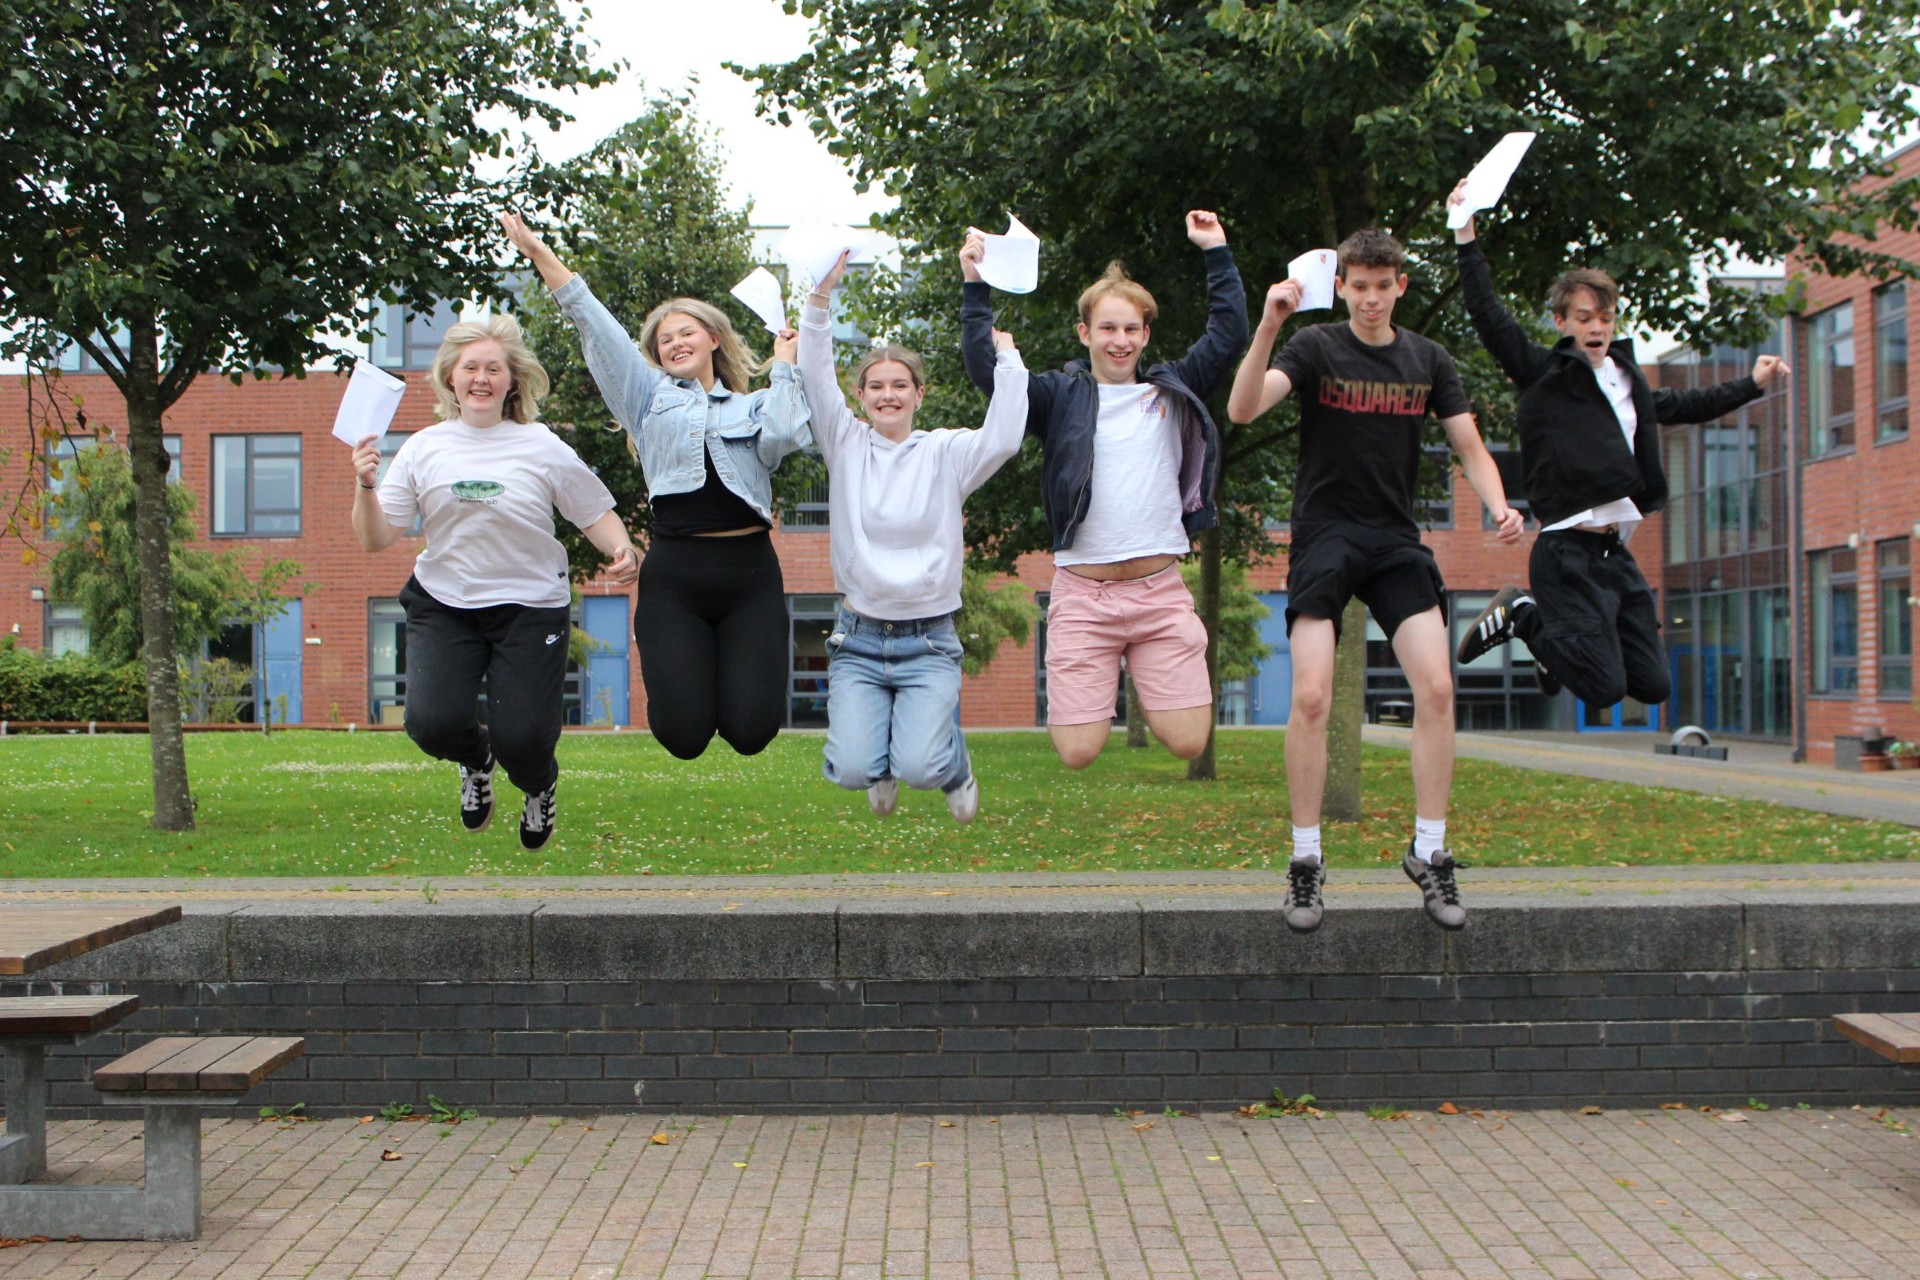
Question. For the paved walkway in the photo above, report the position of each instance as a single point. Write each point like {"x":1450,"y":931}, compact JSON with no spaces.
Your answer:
{"x":1752,"y":770}
{"x":1786,"y":1195}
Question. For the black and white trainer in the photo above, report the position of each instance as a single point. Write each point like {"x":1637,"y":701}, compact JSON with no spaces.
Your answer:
{"x":1494,"y":626}
{"x":536,"y":819}
{"x":476,"y":796}
{"x":1305,"y":878}
{"x":1544,"y":678}
{"x":1438,"y":887}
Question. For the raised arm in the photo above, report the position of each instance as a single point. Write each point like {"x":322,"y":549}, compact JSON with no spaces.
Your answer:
{"x":833,"y":422}
{"x":1212,"y":355}
{"x":1523,"y":359}
{"x":982,"y":452}
{"x":625,"y":377}
{"x":1708,"y":403}
{"x":781,"y":409}
{"x":1257,"y":388}
{"x":976,"y":335}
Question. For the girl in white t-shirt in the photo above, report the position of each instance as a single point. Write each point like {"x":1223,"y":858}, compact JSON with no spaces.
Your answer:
{"x":893,"y":677}
{"x":489,"y":596}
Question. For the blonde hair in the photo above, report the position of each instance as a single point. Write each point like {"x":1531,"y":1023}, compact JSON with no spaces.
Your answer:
{"x":890,"y":353}
{"x":1117,"y":283}
{"x":733,"y":363}
{"x":522,"y":401}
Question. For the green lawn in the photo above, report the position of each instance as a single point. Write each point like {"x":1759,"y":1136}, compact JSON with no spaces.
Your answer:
{"x":334,"y":804}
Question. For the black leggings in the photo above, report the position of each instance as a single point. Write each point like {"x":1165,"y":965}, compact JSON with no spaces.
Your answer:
{"x":522,"y":653}
{"x":711,"y":623}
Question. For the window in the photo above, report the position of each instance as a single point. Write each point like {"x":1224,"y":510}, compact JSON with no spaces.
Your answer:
{"x":66,"y":630}
{"x":60,"y":465}
{"x":1890,"y":361}
{"x":401,"y":339}
{"x":1834,"y":589}
{"x":812,"y":622}
{"x":1829,"y":383}
{"x":1433,"y":495}
{"x":389,"y":446}
{"x":386,"y":662}
{"x":256,"y":486}
{"x":809,"y":508}
{"x":1896,"y":619}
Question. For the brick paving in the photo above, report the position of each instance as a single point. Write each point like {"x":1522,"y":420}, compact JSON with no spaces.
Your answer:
{"x":1673,"y":1195}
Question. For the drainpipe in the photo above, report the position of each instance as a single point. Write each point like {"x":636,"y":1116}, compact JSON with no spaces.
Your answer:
{"x":1797,"y":614}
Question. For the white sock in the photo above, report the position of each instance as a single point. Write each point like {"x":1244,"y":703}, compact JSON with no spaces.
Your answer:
{"x":1306,"y":843}
{"x":1429,"y":837}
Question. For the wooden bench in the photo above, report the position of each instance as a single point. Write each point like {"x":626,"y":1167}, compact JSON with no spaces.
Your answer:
{"x":29,"y":1026}
{"x":1891,"y":1035}
{"x":171,"y":1080}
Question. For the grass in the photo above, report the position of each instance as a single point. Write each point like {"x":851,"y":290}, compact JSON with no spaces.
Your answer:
{"x":332,"y":804}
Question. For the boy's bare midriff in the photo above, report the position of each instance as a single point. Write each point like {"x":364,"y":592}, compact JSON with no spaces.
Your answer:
{"x":1122,"y":570}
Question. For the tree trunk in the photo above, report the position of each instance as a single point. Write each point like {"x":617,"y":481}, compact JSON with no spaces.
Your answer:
{"x":1201,"y":767}
{"x":172,"y":801}
{"x":1136,"y":714}
{"x":1340,"y":801}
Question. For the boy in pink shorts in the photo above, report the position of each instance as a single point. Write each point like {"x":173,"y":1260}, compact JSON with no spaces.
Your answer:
{"x":1130,"y":463}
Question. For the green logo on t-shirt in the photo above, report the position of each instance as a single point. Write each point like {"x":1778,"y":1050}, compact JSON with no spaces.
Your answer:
{"x":477,"y":490}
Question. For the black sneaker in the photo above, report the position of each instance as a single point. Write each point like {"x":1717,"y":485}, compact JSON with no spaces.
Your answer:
{"x":476,"y":797}
{"x":1438,"y":887}
{"x":1304,"y":879}
{"x":1494,"y":626}
{"x":1544,"y":678}
{"x":536,"y":819}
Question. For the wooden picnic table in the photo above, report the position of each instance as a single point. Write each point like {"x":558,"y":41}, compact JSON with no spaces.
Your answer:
{"x":33,"y":937}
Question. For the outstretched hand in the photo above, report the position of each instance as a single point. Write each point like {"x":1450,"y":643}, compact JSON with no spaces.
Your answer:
{"x":1283,"y":300}
{"x":1462,"y":234}
{"x":971,"y":252}
{"x":1767,"y":368}
{"x":835,"y":274}
{"x":520,"y":235}
{"x":1204,"y":229}
{"x":1003,"y":341}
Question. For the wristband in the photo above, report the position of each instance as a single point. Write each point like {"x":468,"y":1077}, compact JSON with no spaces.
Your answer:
{"x":363,"y":484}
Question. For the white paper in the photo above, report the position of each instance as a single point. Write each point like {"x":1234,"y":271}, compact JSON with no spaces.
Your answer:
{"x":811,"y":248}
{"x":760,"y":293}
{"x":1012,"y":261}
{"x":373,"y":397}
{"x":1488,"y":181}
{"x":1315,"y":270}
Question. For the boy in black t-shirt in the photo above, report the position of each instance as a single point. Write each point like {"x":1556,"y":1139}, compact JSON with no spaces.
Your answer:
{"x":1365,"y":389}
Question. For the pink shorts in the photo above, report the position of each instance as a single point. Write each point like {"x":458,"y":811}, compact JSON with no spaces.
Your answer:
{"x":1148,"y":621}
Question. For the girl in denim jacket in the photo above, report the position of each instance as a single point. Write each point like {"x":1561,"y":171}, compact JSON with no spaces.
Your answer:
{"x":711,"y":616}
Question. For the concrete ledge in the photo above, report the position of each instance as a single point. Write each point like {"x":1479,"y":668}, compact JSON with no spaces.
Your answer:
{"x":594,"y":941}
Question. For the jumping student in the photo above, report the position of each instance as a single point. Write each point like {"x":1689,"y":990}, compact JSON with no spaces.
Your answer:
{"x":1365,"y":389}
{"x":711,"y":615}
{"x":489,"y":595}
{"x":1130,"y":462}
{"x":893,"y":679}
{"x":1590,"y":455}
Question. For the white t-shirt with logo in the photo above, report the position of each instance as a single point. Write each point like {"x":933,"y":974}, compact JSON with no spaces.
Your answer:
{"x":1135,"y":506}
{"x":485,"y":497}
{"x":1620,"y":513}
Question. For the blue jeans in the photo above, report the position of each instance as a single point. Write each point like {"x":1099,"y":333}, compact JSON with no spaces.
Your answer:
{"x":893,"y":703}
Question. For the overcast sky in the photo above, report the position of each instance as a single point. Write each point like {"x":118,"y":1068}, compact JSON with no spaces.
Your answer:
{"x":786,"y":173}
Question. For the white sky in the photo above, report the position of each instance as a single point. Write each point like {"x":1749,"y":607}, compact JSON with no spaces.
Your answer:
{"x":786,"y":173}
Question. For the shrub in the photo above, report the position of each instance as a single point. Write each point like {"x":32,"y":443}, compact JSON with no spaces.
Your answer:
{"x":70,"y":687}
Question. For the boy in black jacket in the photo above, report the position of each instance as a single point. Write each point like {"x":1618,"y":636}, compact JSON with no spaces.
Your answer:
{"x":1590,"y":455}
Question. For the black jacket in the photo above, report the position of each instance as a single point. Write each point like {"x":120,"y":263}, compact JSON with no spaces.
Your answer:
{"x":1572,"y":453}
{"x":1063,"y":406}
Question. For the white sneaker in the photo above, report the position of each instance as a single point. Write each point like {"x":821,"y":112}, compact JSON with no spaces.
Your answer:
{"x":882,"y":796}
{"x":963,"y":802}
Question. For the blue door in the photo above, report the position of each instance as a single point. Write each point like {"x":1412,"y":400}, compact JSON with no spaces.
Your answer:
{"x":1273,"y":687}
{"x":279,"y":664}
{"x":603,"y":693}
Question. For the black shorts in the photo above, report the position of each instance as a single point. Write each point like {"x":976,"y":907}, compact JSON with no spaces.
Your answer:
{"x":1394,"y":575}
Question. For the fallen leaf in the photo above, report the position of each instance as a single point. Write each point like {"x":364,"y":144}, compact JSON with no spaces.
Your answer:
{"x":1592,"y":1111}
{"x":1733,"y":1117}
{"x":1447,"y":1109}
{"x":388,"y":1153}
{"x":739,"y":1164}
{"x":660,"y":1139}
{"x":923,"y":1164}
{"x":1625,"y":1182}
{"x":946,"y":1124}
{"x":366,"y":1119}
{"x":1143,"y":1126}
{"x":1213,"y":1157}
{"x":1675,"y":1106}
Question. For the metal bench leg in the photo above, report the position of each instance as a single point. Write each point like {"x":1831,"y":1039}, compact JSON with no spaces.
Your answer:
{"x":167,"y":1208}
{"x":23,"y":1151}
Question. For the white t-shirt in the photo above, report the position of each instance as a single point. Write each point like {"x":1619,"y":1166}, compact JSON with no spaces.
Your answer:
{"x":1135,"y":507}
{"x":485,"y":497}
{"x":1621,"y":512}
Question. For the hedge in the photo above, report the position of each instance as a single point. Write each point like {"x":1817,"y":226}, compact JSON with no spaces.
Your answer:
{"x":70,"y":687}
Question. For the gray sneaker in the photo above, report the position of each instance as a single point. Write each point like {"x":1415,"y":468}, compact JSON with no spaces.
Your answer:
{"x":883,"y":796}
{"x":1304,"y":908}
{"x":1437,"y":885}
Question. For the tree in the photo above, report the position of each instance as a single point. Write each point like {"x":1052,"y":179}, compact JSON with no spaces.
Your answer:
{"x":990,"y":616}
{"x":96,"y":565}
{"x":209,"y":186}
{"x":1670,"y":135}
{"x":652,"y":223}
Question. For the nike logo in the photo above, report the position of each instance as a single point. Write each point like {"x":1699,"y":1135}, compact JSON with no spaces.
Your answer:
{"x":551,"y":639}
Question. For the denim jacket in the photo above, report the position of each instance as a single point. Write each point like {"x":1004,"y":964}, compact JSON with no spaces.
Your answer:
{"x":673,"y":421}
